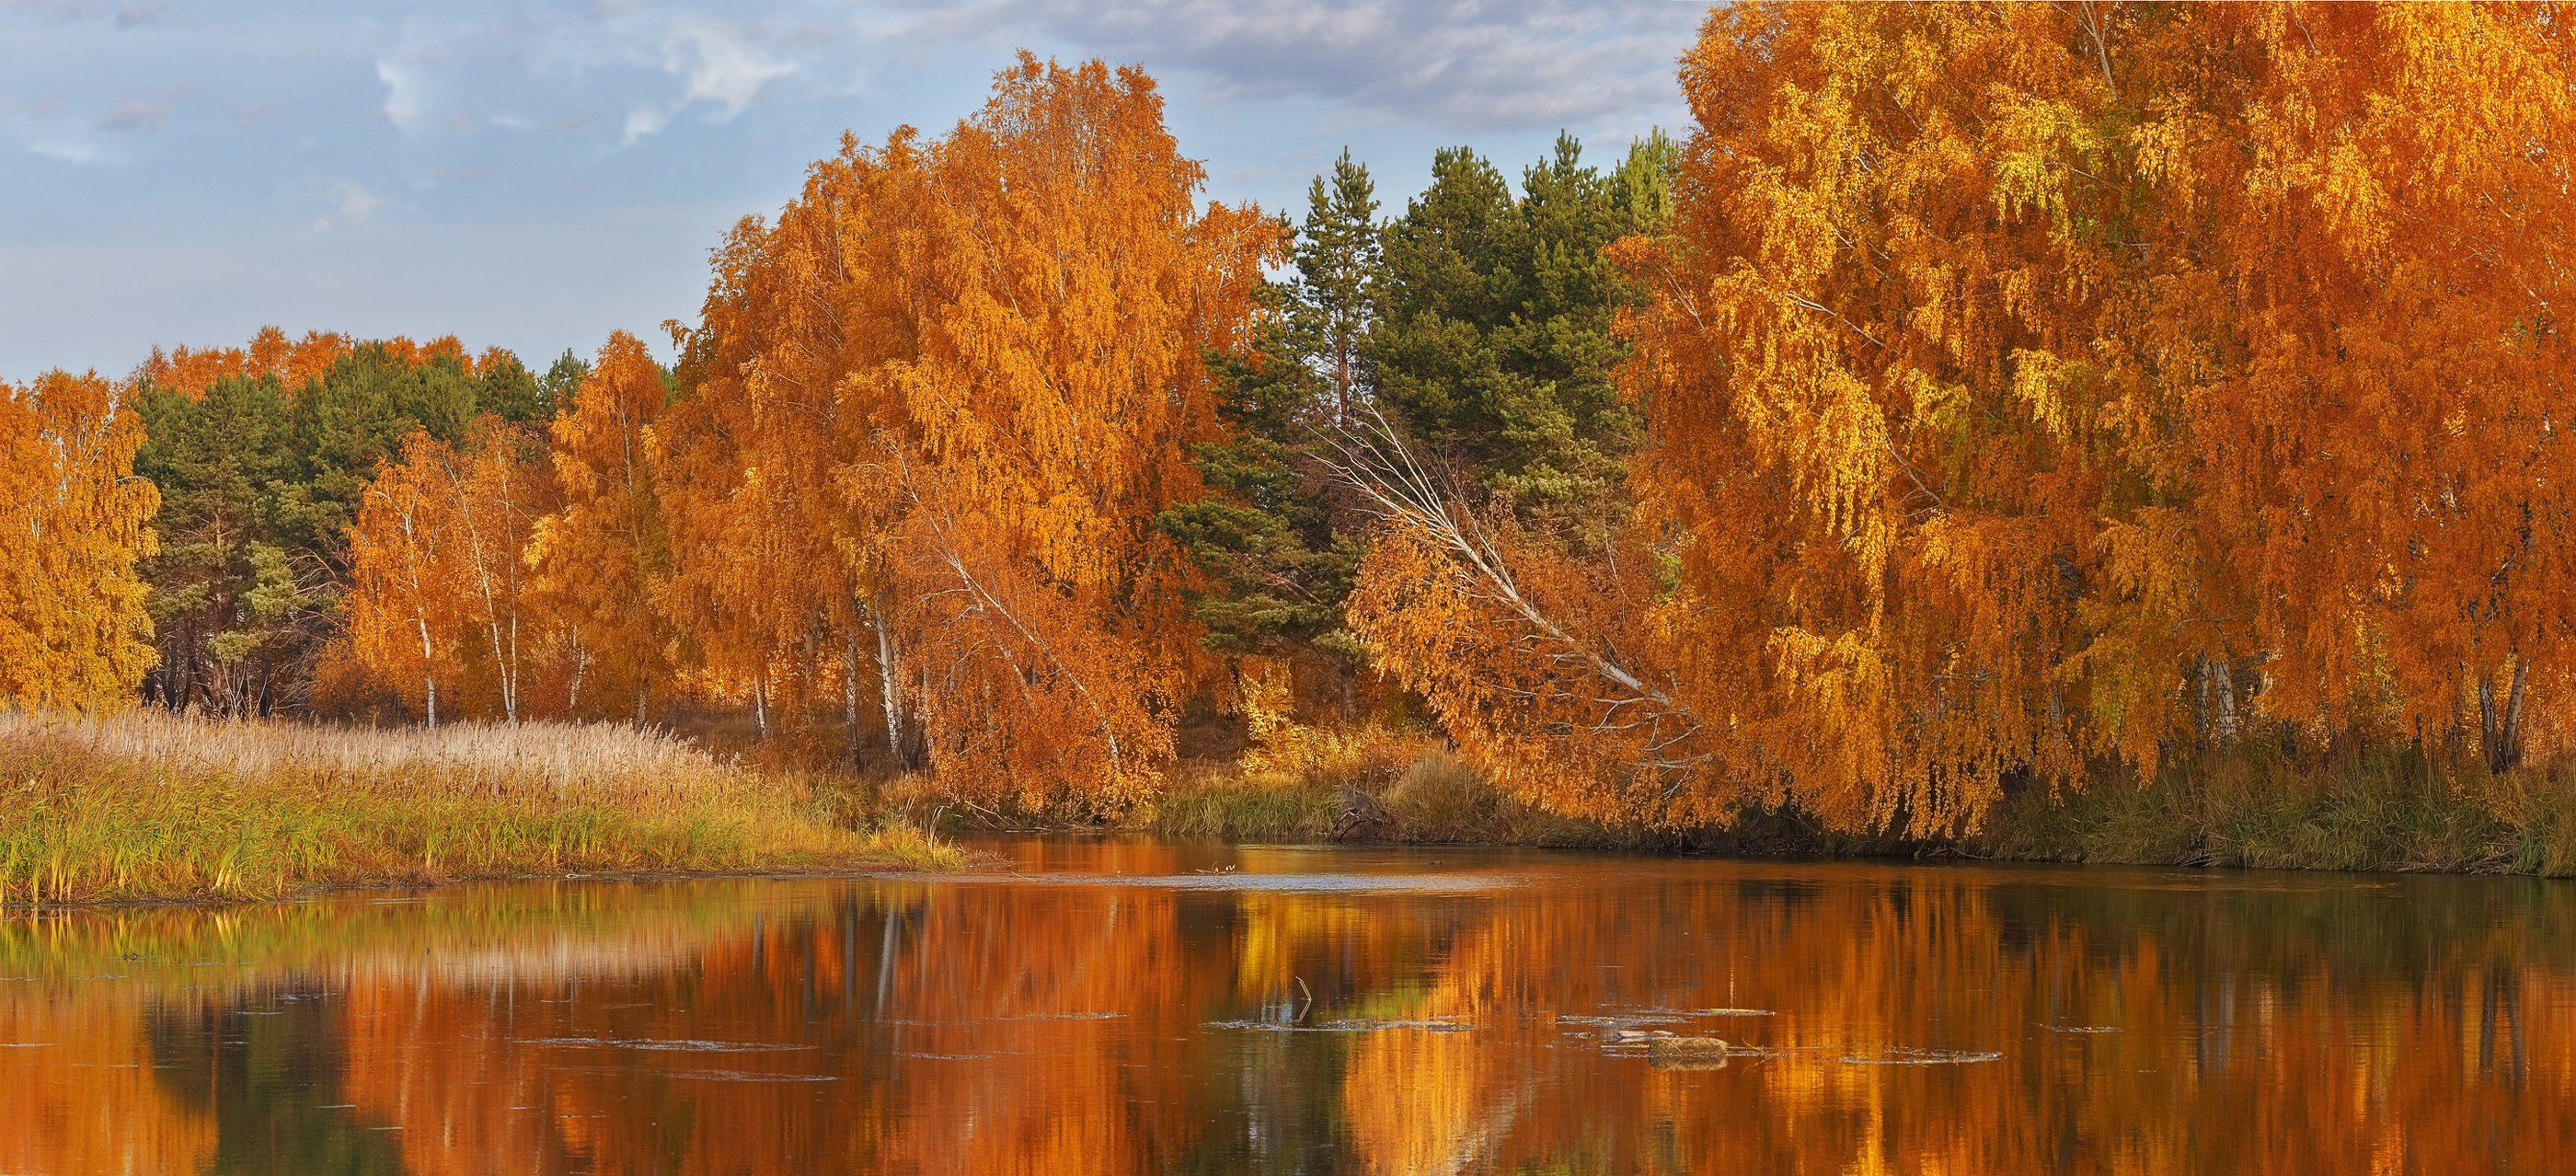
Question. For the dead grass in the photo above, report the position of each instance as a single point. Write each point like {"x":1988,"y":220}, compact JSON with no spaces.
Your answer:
{"x":2387,"y":810}
{"x":1371,"y":784}
{"x":145,"y":805}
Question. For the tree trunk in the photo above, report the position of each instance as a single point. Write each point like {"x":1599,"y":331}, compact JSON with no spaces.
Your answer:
{"x":2487,"y":722}
{"x":2224,"y":717}
{"x":428,"y":677}
{"x":2200,"y":698}
{"x":501,"y":672}
{"x":850,"y":691}
{"x":580,"y":664}
{"x":2500,"y":735}
{"x":2513,"y":713}
{"x":890,"y":673}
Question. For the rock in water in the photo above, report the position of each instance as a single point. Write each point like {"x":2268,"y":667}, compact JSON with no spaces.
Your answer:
{"x":1686,"y":1053}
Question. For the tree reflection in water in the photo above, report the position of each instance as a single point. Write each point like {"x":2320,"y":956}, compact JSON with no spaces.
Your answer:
{"x":1114,"y":1009}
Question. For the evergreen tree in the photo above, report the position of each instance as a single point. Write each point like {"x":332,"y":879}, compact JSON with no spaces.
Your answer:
{"x":1327,"y":305}
{"x":228,"y":610}
{"x":1274,"y":534}
{"x":259,"y":483}
{"x":1493,"y":337}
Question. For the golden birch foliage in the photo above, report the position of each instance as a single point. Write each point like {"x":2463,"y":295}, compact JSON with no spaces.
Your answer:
{"x":1550,"y":680}
{"x":74,"y":521}
{"x":293,"y":362}
{"x":404,"y":623}
{"x":444,"y":604}
{"x":190,"y":371}
{"x":1074,"y":290}
{"x":498,"y":492}
{"x":2032,"y":384}
{"x":769,"y":558}
{"x":943,"y":396}
{"x":2399,"y":229}
{"x":597,"y":557}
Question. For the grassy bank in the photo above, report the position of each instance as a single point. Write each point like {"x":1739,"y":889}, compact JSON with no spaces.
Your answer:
{"x":2386,"y":811}
{"x":145,"y":806}
{"x":1431,"y":797}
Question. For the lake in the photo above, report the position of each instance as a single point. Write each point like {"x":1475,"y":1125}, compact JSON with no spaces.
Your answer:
{"x":1104,"y":1006}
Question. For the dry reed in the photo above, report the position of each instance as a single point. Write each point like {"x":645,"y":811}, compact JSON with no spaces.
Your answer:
{"x":146,"y":805}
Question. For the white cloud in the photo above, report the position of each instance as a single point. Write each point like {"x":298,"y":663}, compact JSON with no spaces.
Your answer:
{"x":349,"y":204}
{"x":720,"y":66}
{"x":633,"y":67}
{"x":406,"y":92}
{"x":1465,"y":64}
{"x":643,"y":123}
{"x":355,"y":202}
{"x":716,"y":66}
{"x":73,"y":151}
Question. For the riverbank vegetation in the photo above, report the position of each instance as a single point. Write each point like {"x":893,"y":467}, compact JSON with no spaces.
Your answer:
{"x":143,"y":805}
{"x":1981,"y":411}
{"x":2382,"y":811}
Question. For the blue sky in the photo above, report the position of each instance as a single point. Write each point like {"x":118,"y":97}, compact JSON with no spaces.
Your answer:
{"x":538,"y":173}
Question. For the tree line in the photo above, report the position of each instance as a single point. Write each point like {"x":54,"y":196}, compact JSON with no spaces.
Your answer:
{"x":1978,"y":398}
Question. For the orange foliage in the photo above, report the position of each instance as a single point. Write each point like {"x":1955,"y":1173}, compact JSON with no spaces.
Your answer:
{"x":2037,"y":386}
{"x":1072,"y":291}
{"x":293,"y":363}
{"x":440,"y":588}
{"x":402,"y":622}
{"x":597,"y":558}
{"x":2136,"y":1026}
{"x":943,"y":398}
{"x":74,"y":520}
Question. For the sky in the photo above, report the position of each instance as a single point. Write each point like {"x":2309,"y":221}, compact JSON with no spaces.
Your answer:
{"x":536,"y":173}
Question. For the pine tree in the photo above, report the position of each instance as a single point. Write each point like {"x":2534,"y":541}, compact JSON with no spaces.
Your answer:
{"x":1276,"y":536}
{"x":1493,"y":340}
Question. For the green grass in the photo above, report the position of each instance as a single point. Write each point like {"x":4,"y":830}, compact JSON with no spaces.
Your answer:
{"x":144,"y":807}
{"x":2382,"y":811}
{"x":2396,"y":811}
{"x":1368,"y":785}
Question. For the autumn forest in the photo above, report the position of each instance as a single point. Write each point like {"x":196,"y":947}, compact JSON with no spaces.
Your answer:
{"x":1972,"y":404}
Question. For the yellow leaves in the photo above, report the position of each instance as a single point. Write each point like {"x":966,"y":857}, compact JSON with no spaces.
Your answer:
{"x":940,"y":398}
{"x":2053,"y":390}
{"x":401,"y":623}
{"x":1066,"y":291}
{"x":2172,"y":370}
{"x":2042,"y":148}
{"x":1847,"y":449}
{"x":2353,"y":203}
{"x":74,"y":520}
{"x":597,"y":557}
{"x":442,"y":607}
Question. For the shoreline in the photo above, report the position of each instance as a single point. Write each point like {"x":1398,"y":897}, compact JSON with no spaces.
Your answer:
{"x":143,"y":809}
{"x":148,"y":807}
{"x":887,"y":868}
{"x":2384,"y":813}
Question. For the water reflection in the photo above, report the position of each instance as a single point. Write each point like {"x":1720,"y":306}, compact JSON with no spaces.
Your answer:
{"x":1143,"y":1008}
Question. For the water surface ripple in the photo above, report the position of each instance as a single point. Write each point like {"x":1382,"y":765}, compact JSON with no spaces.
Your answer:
{"x":1122,"y":1007}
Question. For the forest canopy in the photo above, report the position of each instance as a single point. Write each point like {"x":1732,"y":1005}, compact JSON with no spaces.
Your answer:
{"x":1975,"y":399}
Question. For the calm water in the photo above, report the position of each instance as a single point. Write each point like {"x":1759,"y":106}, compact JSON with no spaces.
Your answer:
{"x":1142,"y":1008}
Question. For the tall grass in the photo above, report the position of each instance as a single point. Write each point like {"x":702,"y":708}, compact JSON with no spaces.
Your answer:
{"x":145,"y":805}
{"x":2388,"y":810}
{"x":1370,"y":784}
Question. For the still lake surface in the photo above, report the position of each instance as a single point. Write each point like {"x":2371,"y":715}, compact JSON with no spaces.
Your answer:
{"x":1133,"y":1007}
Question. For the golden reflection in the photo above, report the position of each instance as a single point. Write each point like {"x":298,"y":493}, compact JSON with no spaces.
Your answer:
{"x":1465,"y":1018}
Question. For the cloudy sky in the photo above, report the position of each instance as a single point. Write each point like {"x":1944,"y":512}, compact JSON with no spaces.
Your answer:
{"x":535,"y":173}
